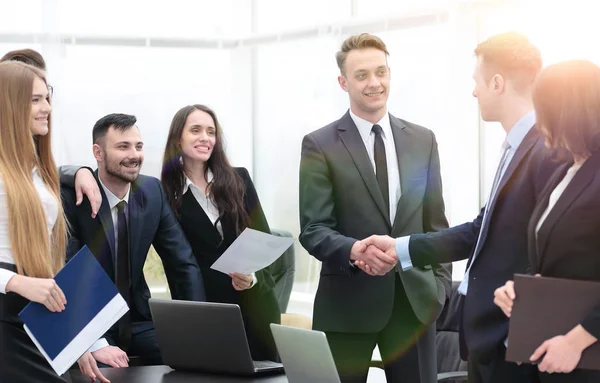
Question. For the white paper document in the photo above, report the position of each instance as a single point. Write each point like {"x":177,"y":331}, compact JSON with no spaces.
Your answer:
{"x":251,"y":251}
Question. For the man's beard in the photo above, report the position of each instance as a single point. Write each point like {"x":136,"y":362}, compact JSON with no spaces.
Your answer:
{"x":118,"y":173}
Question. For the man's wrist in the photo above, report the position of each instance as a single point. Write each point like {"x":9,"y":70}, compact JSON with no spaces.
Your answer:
{"x":99,"y":345}
{"x":353,"y":255}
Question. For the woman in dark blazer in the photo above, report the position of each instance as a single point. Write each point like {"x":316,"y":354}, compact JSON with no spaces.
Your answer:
{"x":564,"y":236}
{"x":214,"y":203}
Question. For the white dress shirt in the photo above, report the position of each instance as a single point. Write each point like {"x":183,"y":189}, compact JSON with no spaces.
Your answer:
{"x":208,"y":205}
{"x":368,"y":136}
{"x":113,"y":201}
{"x":50,"y":204}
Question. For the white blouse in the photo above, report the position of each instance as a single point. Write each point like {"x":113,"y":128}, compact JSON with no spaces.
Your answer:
{"x":205,"y":201}
{"x":50,"y":205}
{"x":556,"y":193}
{"x":209,"y":206}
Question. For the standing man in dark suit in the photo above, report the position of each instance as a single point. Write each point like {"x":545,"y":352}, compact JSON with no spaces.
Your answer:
{"x":134,"y":215}
{"x":496,"y":241}
{"x":371,"y":173}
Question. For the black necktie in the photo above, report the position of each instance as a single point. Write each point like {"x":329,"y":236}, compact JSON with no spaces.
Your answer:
{"x":381,"y":166}
{"x":123,"y":275}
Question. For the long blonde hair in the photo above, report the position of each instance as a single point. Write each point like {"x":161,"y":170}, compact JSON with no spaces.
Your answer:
{"x":36,"y":254}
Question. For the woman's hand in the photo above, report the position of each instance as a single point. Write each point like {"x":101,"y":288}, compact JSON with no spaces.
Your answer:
{"x":241,"y":281}
{"x":40,"y":290}
{"x":559,"y":355}
{"x":89,"y":367}
{"x":504,"y":297}
{"x":563,"y":353}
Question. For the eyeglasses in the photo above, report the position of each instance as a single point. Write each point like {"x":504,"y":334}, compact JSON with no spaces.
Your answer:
{"x":50,"y":91}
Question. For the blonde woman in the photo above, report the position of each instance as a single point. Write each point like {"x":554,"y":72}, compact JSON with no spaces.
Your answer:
{"x":32,"y":225}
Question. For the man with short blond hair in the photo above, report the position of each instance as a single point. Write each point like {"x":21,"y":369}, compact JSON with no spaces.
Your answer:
{"x":495,"y":243}
{"x":372,"y":173}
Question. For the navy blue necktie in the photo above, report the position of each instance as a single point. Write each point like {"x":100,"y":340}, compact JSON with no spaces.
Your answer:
{"x":123,"y":278}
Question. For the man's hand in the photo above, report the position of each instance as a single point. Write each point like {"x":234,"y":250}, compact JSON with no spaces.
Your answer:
{"x":112,"y":356}
{"x":85,"y":183}
{"x":383,"y":243}
{"x":375,"y":260}
{"x":89,"y":367}
{"x":504,"y":297}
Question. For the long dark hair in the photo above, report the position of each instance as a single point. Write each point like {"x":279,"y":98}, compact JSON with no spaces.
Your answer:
{"x":566,"y":97}
{"x":227,"y":187}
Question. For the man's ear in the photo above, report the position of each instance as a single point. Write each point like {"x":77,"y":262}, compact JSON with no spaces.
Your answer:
{"x":498,"y":83}
{"x":343,"y":82}
{"x":98,"y":152}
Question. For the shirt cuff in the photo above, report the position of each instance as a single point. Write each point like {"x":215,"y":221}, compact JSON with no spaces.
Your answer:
{"x":100,"y":343}
{"x":5,"y":276}
{"x":254,"y":281}
{"x":402,"y":252}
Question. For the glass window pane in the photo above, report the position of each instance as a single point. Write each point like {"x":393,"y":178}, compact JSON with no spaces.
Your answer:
{"x":277,"y":16}
{"x":21,"y":16}
{"x":175,"y":18}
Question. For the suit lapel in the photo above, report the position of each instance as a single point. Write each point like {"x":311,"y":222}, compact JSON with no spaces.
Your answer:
{"x":532,"y":237}
{"x":584,"y":176}
{"x":526,"y":145}
{"x":354,"y":144}
{"x":524,"y":148}
{"x":135,"y":207}
{"x":410,"y":178}
{"x":195,"y":213}
{"x":106,"y":219}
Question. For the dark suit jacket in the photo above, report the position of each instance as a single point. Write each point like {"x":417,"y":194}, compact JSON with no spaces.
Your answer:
{"x":258,"y":304}
{"x":504,"y":249}
{"x":151,"y":222}
{"x":568,"y":242}
{"x":340,"y":202}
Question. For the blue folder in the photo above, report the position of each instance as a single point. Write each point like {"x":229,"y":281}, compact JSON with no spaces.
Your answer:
{"x":87,"y":288}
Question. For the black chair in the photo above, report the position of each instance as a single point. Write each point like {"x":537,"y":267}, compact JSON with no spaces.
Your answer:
{"x":451,"y":369}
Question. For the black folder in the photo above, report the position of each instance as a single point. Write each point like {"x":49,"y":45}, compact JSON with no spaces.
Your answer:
{"x":547,"y":307}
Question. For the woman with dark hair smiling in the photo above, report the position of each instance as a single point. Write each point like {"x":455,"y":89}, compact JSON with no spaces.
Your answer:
{"x":214,"y":203}
{"x":564,"y":240}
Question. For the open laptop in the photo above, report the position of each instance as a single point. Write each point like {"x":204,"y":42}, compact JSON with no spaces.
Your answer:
{"x":305,"y":355}
{"x":205,"y":336}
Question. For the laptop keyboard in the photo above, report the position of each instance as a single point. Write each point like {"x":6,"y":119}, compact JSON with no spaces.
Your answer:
{"x":266,"y":365}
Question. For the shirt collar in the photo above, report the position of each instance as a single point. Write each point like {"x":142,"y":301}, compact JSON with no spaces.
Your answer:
{"x":364,"y":126}
{"x":518,"y":132}
{"x":188,"y":182}
{"x":111,"y":198}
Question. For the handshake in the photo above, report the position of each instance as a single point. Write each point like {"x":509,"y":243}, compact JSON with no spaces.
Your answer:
{"x":375,"y":255}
